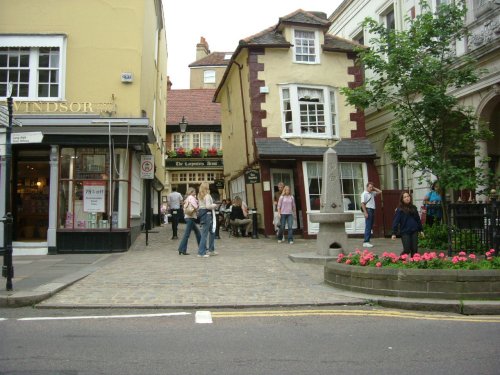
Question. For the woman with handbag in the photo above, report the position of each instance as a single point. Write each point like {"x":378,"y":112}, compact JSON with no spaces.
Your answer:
{"x":207,"y":221}
{"x":190,"y":214}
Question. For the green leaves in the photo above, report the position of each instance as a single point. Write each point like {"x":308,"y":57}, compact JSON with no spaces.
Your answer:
{"x":413,"y":73}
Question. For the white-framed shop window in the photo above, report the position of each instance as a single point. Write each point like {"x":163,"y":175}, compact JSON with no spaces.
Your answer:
{"x":353,"y":176}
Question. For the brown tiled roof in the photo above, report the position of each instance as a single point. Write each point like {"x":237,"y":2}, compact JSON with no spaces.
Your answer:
{"x":337,"y":44}
{"x":195,"y":105}
{"x":214,"y":59}
{"x":302,"y":17}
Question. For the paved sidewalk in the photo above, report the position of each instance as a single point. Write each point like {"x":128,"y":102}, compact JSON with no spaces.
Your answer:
{"x":246,"y":273}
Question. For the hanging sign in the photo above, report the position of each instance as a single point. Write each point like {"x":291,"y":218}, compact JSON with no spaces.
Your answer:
{"x":252,"y":176}
{"x":147,"y":167}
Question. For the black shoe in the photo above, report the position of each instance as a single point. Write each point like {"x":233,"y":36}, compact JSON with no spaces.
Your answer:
{"x":217,"y":237}
{"x":174,"y":238}
{"x":181,"y":253}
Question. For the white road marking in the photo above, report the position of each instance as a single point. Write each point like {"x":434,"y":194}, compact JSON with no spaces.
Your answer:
{"x":203,"y":317}
{"x":105,"y":316}
{"x":3,"y":318}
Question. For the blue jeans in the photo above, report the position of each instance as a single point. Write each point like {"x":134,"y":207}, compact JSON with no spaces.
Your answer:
{"x":369,"y":224}
{"x":288,"y":220}
{"x":190,"y":225}
{"x":206,"y":221}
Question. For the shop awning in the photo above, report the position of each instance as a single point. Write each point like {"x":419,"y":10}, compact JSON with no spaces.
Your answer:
{"x":90,"y":130}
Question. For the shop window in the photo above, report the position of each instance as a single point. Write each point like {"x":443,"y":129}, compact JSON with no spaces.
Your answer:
{"x":88,"y":199}
{"x":351,"y":181}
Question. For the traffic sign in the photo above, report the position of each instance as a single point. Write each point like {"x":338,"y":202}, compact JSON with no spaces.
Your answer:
{"x":147,"y":167}
{"x":26,"y":137}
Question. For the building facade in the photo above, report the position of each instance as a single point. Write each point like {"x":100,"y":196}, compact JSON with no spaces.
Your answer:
{"x":282,"y":109}
{"x":90,"y":78}
{"x":193,"y":141}
{"x":483,"y":22}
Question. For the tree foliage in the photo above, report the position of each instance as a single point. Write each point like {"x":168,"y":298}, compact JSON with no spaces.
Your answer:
{"x":413,"y":74}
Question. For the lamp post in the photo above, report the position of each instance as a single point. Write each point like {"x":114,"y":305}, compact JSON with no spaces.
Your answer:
{"x":8,"y":268}
{"x":183,"y":125}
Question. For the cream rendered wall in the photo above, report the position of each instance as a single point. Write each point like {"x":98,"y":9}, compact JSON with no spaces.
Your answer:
{"x":232,"y":119}
{"x":98,"y":49}
{"x":153,"y":79}
{"x":196,"y":77}
{"x":280,"y":69}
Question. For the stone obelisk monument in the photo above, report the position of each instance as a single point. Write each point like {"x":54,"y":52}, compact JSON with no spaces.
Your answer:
{"x":331,"y":237}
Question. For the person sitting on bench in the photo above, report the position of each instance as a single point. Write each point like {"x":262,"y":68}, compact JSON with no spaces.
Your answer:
{"x":239,"y":218}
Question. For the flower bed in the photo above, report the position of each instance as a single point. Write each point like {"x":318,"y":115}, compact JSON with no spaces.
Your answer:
{"x":424,"y":276}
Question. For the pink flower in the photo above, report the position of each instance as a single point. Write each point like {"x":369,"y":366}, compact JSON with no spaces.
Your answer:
{"x":379,"y":264}
{"x":441,"y":255}
{"x":462,"y":253}
{"x":472,"y":256}
{"x":348,"y":261}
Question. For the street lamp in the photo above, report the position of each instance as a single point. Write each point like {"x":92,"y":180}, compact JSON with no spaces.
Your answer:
{"x":8,"y":268}
{"x":183,"y":125}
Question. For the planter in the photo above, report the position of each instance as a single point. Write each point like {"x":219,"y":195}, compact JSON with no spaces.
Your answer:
{"x":415,"y":283}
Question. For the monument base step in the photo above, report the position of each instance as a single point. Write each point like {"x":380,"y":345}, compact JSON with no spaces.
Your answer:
{"x":311,"y":257}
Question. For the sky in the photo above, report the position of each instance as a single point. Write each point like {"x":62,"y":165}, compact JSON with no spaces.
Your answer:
{"x":222,"y":23}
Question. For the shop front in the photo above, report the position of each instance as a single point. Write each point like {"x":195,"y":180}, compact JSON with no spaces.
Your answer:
{"x":79,"y":189}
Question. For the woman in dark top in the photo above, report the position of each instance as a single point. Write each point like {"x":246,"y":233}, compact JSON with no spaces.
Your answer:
{"x":407,"y":222}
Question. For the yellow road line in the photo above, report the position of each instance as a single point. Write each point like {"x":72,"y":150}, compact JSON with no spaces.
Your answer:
{"x":374,"y":313}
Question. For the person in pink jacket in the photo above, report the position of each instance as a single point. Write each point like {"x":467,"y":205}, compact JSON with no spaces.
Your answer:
{"x":286,"y":211}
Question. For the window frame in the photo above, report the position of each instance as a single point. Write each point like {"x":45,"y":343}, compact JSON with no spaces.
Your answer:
{"x":330,"y":111}
{"x":209,"y":76}
{"x":35,"y":43}
{"x":297,"y":44}
{"x":196,"y":139}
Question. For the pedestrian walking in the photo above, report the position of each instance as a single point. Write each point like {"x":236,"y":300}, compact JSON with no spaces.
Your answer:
{"x":207,"y":221}
{"x":286,"y":212}
{"x":407,"y":223}
{"x":174,"y":200}
{"x":190,"y":214}
{"x":368,"y":207}
{"x":276,"y":198}
{"x":432,"y":204}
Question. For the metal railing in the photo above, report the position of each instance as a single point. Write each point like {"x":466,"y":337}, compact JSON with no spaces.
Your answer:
{"x":474,"y":227}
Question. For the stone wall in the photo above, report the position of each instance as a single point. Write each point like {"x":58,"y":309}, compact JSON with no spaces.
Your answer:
{"x":415,"y":283}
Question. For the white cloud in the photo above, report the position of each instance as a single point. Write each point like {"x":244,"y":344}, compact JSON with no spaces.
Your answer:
{"x":222,"y":23}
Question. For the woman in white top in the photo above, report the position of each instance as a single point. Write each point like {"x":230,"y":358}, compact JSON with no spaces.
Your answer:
{"x":190,"y":199}
{"x":206,"y":215}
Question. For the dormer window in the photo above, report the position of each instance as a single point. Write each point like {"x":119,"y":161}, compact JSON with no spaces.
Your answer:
{"x":306,"y":46}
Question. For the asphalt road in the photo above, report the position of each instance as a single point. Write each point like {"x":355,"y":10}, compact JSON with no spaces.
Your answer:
{"x":343,"y":340}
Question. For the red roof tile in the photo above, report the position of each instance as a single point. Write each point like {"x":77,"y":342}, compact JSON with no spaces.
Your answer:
{"x":195,"y":105}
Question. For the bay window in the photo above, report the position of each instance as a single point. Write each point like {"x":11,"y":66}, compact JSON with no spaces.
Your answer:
{"x":309,"y":111}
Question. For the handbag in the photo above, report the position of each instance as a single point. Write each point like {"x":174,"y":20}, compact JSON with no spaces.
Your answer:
{"x":189,"y":209}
